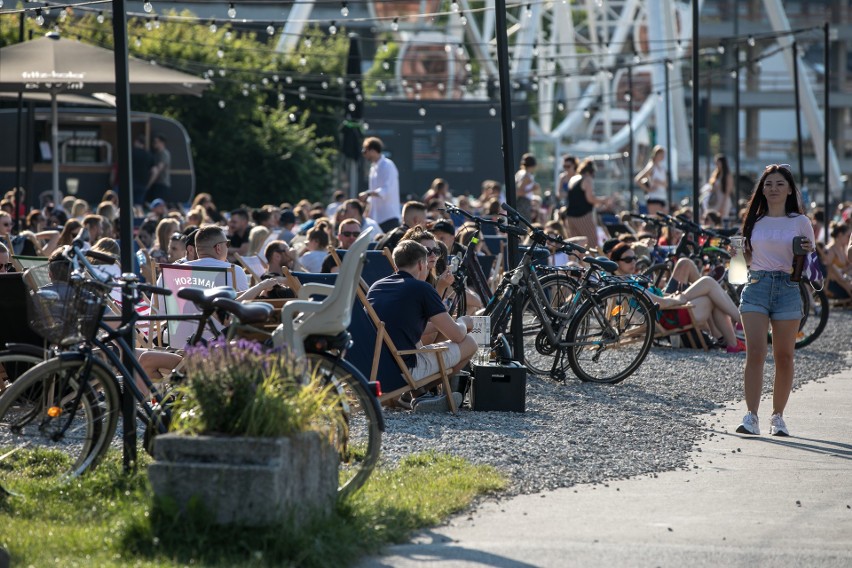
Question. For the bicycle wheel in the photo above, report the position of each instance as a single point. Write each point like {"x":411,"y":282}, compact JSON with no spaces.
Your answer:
{"x":58,"y":418}
{"x":610,"y":335}
{"x":814,"y":315}
{"x":658,"y":274}
{"x":15,"y":363}
{"x":539,"y":351}
{"x":360,"y":445}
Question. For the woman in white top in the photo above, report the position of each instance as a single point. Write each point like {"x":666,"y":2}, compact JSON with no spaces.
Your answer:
{"x":774,"y":219}
{"x":720,"y":189}
{"x":653,"y":179}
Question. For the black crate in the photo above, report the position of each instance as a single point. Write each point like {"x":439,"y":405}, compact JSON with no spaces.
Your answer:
{"x":499,"y":387}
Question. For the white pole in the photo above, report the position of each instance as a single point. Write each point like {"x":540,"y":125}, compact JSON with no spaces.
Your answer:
{"x":54,"y":134}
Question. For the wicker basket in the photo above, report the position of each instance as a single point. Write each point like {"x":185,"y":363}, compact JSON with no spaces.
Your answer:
{"x":63,"y":312}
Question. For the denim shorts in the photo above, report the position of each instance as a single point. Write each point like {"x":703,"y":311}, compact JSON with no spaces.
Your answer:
{"x":772,"y":294}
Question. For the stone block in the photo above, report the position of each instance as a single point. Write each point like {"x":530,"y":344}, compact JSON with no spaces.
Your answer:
{"x":248,"y":481}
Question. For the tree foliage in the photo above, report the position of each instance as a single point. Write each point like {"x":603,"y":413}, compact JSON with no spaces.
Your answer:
{"x":266,"y":130}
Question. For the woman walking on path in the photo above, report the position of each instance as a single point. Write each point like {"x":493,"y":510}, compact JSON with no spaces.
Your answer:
{"x":773,"y":219}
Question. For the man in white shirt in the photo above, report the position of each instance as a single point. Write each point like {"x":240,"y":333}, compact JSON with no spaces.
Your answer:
{"x":211,"y":245}
{"x":383,"y":194}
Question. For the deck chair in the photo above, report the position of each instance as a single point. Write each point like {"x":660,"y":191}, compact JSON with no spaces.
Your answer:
{"x":378,"y":264}
{"x":23,"y":262}
{"x":680,"y":320}
{"x":254,"y":265}
{"x":177,"y":276}
{"x":386,"y":364}
{"x":329,"y":316}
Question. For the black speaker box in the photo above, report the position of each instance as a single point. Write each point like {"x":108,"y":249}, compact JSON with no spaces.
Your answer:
{"x":500,"y":387}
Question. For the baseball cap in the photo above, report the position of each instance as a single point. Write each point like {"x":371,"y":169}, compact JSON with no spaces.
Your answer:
{"x":444,"y":226}
{"x":157,"y":202}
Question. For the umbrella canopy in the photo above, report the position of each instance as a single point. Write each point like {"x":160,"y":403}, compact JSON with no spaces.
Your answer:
{"x":53,"y":64}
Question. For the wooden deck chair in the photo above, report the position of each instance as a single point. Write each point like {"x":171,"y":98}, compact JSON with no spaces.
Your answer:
{"x":378,"y":264}
{"x":680,"y":320}
{"x":373,"y":352}
{"x":254,"y":265}
{"x":177,"y":276}
{"x":23,"y":262}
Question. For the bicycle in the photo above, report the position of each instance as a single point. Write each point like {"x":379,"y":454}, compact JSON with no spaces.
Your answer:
{"x":604,"y":330}
{"x":71,"y":402}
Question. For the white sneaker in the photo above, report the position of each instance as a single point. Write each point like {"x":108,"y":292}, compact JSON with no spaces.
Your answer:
{"x":750,"y":425}
{"x":777,"y":426}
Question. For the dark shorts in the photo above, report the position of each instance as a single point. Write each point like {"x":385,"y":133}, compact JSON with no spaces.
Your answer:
{"x":772,"y":294}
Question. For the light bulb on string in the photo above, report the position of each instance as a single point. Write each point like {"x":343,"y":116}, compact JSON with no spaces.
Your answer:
{"x":468,"y":67}
{"x":529,"y":11}
{"x":222,"y":72}
{"x":303,"y":61}
{"x":275,"y":78}
{"x":454,"y":6}
{"x":734,"y":74}
{"x":148,"y":7}
{"x":288,"y":79}
{"x":721,"y":49}
{"x":422,"y":111}
{"x":100,"y":17}
{"x":149,"y":25}
{"x":270,"y":29}
{"x":324,"y":85}
{"x":385,"y":46}
{"x":220,"y":53}
{"x":448,"y":48}
{"x":339,"y":81}
{"x":366,"y":126}
{"x":463,"y":20}
{"x":228,"y":35}
{"x":751,"y":41}
{"x":308,"y":43}
{"x":46,"y":9}
{"x":441,"y":87}
{"x":221,"y":104}
{"x":265,"y":81}
{"x":137,"y":42}
{"x":39,"y":19}
{"x":344,"y":9}
{"x":439,"y":128}
{"x":1,"y":3}
{"x":156,"y":22}
{"x":213,"y":27}
{"x":292,"y":117}
{"x":395,"y":24}
{"x":460,"y":50}
{"x":560,"y":106}
{"x":535,"y":49}
{"x":245,"y":92}
{"x":385,"y":65}
{"x":232,"y":12}
{"x":492,"y":111}
{"x":351,"y":107}
{"x":281,"y":97}
{"x":332,"y":29}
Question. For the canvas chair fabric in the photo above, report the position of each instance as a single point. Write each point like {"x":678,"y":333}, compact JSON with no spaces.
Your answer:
{"x":177,"y":276}
{"x":681,"y":320}
{"x":254,"y":265}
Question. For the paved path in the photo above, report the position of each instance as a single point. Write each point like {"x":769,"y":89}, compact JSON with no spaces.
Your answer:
{"x":762,"y":501}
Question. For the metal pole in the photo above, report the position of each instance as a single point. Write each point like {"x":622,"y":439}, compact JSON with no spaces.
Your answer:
{"x":736,"y":136}
{"x":799,"y":143}
{"x":18,"y":144}
{"x":501,"y":32}
{"x":825,"y":132}
{"x":125,"y":200}
{"x":695,"y":133}
{"x":668,"y":139}
{"x":630,"y":186}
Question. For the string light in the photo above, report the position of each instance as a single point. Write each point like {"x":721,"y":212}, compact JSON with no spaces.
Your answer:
{"x":46,"y":9}
{"x":422,"y":111}
{"x":148,"y":7}
{"x":463,"y":20}
{"x":751,"y":41}
{"x":270,"y":29}
{"x":332,"y":29}
{"x":529,"y":11}
{"x":221,"y":104}
{"x":213,"y":27}
{"x":721,"y":49}
{"x":156,"y":22}
{"x":492,"y":111}
{"x":385,"y":46}
{"x":220,"y":53}
{"x":39,"y":19}
{"x":454,"y":6}
{"x":439,"y":128}
{"x":1,"y":3}
{"x":395,"y":24}
{"x":232,"y":11}
{"x":149,"y":25}
{"x":308,"y":43}
{"x":344,"y":9}
{"x":100,"y":17}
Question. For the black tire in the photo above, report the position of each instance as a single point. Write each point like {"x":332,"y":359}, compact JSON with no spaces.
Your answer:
{"x":14,"y":364}
{"x":610,"y":335}
{"x":658,"y":274}
{"x":815,"y":315}
{"x":359,"y":446}
{"x":539,"y":354}
{"x":37,"y":429}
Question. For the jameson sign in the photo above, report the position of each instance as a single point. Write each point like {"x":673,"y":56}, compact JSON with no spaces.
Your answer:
{"x":178,"y":276}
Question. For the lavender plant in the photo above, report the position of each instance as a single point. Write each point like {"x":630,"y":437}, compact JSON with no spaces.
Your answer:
{"x":243,"y":389}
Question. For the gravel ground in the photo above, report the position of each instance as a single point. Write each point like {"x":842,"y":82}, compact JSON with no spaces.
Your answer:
{"x":577,"y":432}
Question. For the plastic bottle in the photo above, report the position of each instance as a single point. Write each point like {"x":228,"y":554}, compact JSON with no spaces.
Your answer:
{"x":738,"y":270}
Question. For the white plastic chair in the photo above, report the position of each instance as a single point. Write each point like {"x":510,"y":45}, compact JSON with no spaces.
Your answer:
{"x":329,"y":316}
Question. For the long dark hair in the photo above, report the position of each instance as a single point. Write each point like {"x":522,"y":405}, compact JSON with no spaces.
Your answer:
{"x":722,"y":171}
{"x":758,"y":207}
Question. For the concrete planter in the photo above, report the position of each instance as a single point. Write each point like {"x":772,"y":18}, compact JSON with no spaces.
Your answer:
{"x":248,"y":481}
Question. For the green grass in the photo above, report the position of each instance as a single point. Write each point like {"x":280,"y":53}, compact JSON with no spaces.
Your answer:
{"x":108,"y":519}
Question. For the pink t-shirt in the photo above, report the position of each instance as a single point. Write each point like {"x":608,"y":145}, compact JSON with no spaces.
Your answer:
{"x":772,"y":241}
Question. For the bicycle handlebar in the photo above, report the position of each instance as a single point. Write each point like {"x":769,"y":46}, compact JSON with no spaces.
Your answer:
{"x":149,"y":289}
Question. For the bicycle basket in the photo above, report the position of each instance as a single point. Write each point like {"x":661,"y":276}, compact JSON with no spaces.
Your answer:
{"x":63,"y":312}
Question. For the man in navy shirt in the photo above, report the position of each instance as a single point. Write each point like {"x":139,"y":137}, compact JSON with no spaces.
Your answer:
{"x":410,"y":307}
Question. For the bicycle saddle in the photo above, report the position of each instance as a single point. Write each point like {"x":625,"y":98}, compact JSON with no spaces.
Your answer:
{"x":601,"y":263}
{"x":257,"y":312}
{"x":204,"y":297}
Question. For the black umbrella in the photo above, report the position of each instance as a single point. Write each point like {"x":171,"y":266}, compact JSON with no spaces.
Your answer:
{"x":351,"y":135}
